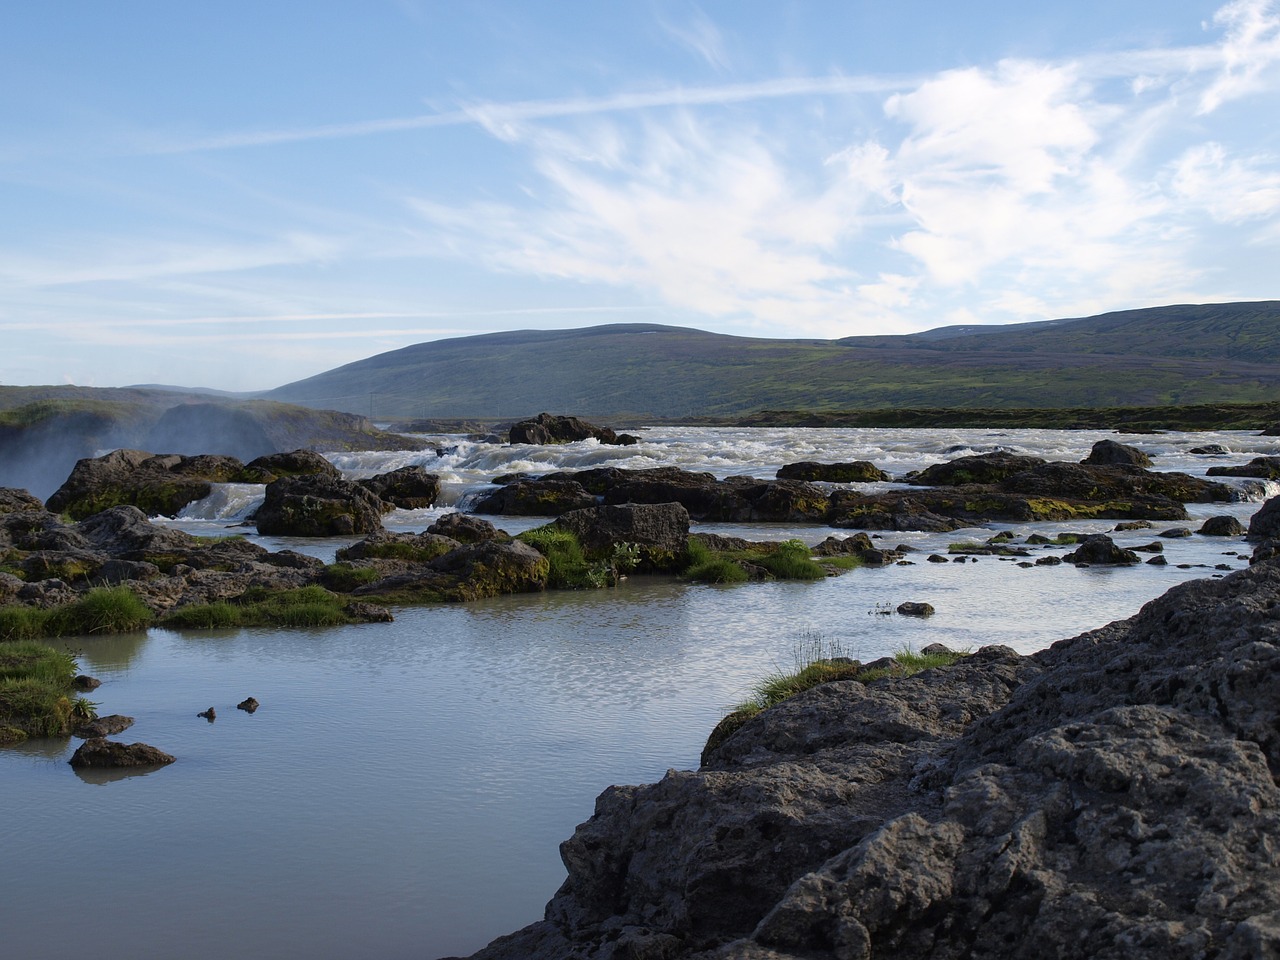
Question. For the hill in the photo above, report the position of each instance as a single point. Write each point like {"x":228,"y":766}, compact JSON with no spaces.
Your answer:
{"x":1208,"y":353}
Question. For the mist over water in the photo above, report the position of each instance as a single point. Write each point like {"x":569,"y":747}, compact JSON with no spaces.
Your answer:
{"x":404,"y":787}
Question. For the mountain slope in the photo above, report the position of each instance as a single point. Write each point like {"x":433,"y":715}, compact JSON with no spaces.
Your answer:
{"x":1162,"y":355}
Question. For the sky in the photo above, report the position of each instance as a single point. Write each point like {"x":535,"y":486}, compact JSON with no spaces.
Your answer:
{"x":242,"y":194}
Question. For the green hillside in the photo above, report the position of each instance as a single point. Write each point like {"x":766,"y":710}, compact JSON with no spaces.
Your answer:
{"x":1212,"y":353}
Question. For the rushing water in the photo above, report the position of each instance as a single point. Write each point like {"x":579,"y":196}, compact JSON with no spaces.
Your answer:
{"x":403,"y":788}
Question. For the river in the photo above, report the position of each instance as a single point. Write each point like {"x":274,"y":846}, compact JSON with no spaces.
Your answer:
{"x":403,"y":788}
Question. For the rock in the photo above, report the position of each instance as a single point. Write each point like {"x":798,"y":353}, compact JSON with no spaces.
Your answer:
{"x":913,"y":608}
{"x":856,"y":471}
{"x":100,"y":752}
{"x":210,"y":714}
{"x":1118,"y":484}
{"x":85,"y":683}
{"x":1222,"y":526}
{"x":1113,"y":796}
{"x":1265,"y":524}
{"x":248,"y":705}
{"x":838,"y":546}
{"x":936,"y":649}
{"x":409,"y":488}
{"x":547,"y":428}
{"x":104,"y":727}
{"x":1210,"y":450}
{"x":986,"y":468}
{"x":1174,"y":533}
{"x":1260,"y":468}
{"x":318,"y":506}
{"x":466,"y":529}
{"x":491,"y":568}
{"x":660,"y":530}
{"x":1110,"y":453}
{"x":1100,"y":550}
{"x":368,"y":612}
{"x":13,"y":500}
{"x":544,"y":497}
{"x":1133,"y":525}
{"x":296,"y":463}
{"x":128,"y":477}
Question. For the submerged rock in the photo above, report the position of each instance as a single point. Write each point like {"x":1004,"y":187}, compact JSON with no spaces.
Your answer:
{"x":104,"y":727}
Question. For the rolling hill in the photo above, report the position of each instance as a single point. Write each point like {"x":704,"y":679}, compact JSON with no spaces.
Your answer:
{"x":1207,"y":353}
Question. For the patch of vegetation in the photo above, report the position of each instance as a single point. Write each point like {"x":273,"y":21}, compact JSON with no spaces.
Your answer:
{"x":570,"y":568}
{"x":792,"y":560}
{"x":343,"y":577}
{"x":102,"y":610}
{"x":398,"y":550}
{"x":789,"y":560}
{"x":312,"y":606}
{"x":36,"y":697}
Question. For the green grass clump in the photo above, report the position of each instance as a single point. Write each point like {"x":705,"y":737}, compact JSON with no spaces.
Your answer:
{"x":102,"y":610}
{"x":569,"y":567}
{"x":717,"y":570}
{"x":343,"y":577}
{"x":312,"y":606}
{"x":792,"y":560}
{"x":35,"y":692}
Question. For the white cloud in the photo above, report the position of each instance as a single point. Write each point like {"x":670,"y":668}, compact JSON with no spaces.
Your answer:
{"x":1250,"y":48}
{"x":702,"y":37}
{"x":1230,"y":190}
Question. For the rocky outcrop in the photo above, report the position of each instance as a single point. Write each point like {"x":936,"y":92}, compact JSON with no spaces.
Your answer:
{"x":855,"y":471}
{"x":546,"y":497}
{"x":1223,"y":526}
{"x":547,"y":428}
{"x":1265,"y":524}
{"x":1114,"y":796}
{"x":1260,"y":468}
{"x":318,"y":506}
{"x":159,"y":485}
{"x":984,"y":468}
{"x":1101,"y":550}
{"x":295,"y":463}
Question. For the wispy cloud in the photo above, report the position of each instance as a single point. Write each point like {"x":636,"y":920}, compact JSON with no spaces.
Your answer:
{"x":701,"y":36}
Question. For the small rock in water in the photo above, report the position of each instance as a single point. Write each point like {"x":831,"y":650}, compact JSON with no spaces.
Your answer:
{"x":914,"y":608}
{"x":85,"y":682}
{"x":248,"y":706}
{"x":935,"y":650}
{"x":100,"y":752}
{"x":1175,"y":532}
{"x":104,"y":727}
{"x":210,"y":714}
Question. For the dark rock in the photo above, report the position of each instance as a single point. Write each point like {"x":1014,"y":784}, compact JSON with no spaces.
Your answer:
{"x":1110,"y":453}
{"x":856,"y":471}
{"x":936,"y":649}
{"x":1260,"y":468}
{"x":1158,"y":561}
{"x":984,"y":468}
{"x":838,"y":546}
{"x":104,"y":727}
{"x":1048,"y":561}
{"x":1119,"y":484}
{"x":547,"y":428}
{"x":1100,"y":550}
{"x":1210,"y":450}
{"x":318,"y":506}
{"x":368,"y":612}
{"x":466,"y":529}
{"x":660,"y":530}
{"x":248,"y":705}
{"x":1174,"y":533}
{"x":1133,"y":525}
{"x":915,"y":608}
{"x":85,"y":683}
{"x":1265,"y":524}
{"x":543,"y":497}
{"x":491,"y":568}
{"x":100,"y":752}
{"x":1155,"y":546}
{"x":210,"y":714}
{"x":128,"y":477}
{"x":1223,"y":526}
{"x":937,"y":558}
{"x":13,"y":500}
{"x":295,"y":463}
{"x":409,"y":488}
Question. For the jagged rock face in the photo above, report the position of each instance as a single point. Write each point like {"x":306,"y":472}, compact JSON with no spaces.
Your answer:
{"x":1114,"y":796}
{"x":1265,"y":524}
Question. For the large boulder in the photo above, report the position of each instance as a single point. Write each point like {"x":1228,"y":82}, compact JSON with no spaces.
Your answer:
{"x":466,"y":529}
{"x":1101,"y":550}
{"x":491,"y":568}
{"x":318,"y":506}
{"x":547,"y":428}
{"x":1260,"y":468}
{"x":1109,"y":453}
{"x":980,"y":468}
{"x":661,"y":530}
{"x":1265,"y":524}
{"x":409,"y":488}
{"x":295,"y":463}
{"x":535,"y":497}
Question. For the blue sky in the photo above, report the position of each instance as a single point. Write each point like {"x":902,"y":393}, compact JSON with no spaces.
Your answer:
{"x":240,"y":194}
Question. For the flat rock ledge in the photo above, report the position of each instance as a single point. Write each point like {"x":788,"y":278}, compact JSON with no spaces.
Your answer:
{"x":100,"y":752}
{"x":1114,"y":796}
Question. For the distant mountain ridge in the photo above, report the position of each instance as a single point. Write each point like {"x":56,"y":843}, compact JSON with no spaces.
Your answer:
{"x":1185,"y":353}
